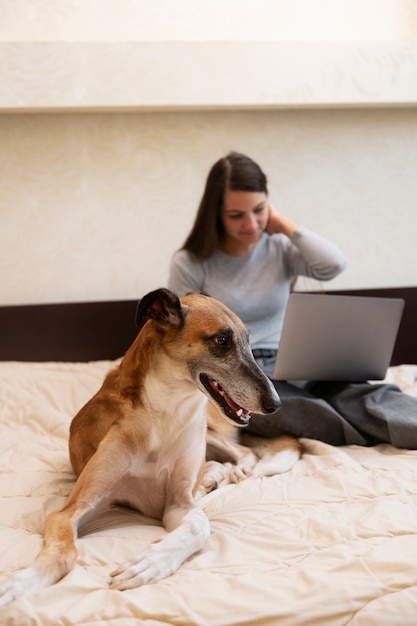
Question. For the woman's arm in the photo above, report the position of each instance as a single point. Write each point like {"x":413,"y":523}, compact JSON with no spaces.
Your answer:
{"x":278,"y":223}
{"x":309,"y":254}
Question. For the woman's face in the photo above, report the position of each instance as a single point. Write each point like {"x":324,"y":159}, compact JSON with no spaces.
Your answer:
{"x":244,"y":216}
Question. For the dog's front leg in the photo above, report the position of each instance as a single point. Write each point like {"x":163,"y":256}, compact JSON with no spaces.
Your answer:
{"x":188,"y":530}
{"x":90,"y":493}
{"x":54,"y":560}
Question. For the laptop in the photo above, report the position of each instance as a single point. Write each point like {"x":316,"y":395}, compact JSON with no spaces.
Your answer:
{"x":337,"y":338}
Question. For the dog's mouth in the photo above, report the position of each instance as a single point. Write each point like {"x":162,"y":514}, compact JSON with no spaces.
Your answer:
{"x":233,"y":411}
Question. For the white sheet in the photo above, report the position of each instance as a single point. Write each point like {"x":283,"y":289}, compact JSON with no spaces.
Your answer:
{"x":332,"y":542}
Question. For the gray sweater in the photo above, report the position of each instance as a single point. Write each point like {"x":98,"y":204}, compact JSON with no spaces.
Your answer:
{"x":257,"y":286}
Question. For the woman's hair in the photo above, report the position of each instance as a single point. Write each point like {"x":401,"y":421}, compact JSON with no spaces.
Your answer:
{"x":235,"y":172}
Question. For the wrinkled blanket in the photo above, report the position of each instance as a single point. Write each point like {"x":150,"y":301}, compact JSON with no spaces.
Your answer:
{"x":332,"y":542}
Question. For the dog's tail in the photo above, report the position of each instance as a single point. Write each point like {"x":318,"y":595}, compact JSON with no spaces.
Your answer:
{"x":276,"y":456}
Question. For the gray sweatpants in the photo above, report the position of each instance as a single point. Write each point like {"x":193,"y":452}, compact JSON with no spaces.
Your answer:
{"x":341,"y":413}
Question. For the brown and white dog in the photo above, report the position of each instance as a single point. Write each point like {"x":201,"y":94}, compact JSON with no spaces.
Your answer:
{"x":141,"y":440}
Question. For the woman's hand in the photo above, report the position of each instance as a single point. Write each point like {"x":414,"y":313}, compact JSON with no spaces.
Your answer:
{"x":278,"y":223}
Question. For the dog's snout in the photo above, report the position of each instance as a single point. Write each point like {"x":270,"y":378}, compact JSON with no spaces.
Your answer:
{"x":271,"y":404}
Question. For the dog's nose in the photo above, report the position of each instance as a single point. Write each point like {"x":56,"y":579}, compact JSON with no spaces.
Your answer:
{"x":271,"y":405}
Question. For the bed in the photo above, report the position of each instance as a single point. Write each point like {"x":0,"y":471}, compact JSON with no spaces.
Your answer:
{"x":333,"y":542}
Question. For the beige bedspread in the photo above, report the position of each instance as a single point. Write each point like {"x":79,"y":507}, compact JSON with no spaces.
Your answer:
{"x":334,"y":541}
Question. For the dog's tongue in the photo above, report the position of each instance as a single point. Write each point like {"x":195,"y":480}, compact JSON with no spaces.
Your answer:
{"x":233,"y":405}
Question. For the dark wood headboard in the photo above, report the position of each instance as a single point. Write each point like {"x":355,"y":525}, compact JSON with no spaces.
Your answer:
{"x":91,"y":331}
{"x":76,"y":331}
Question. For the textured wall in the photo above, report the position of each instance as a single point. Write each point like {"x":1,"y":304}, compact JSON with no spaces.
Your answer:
{"x":93,"y":205}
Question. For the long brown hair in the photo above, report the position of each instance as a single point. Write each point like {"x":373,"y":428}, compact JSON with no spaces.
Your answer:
{"x":235,"y":172}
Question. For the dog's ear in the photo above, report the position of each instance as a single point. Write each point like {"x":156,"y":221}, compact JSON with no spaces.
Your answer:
{"x":160,"y":305}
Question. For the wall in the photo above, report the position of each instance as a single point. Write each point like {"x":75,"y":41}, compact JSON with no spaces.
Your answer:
{"x":93,"y":205}
{"x":97,"y":192}
{"x":217,"y":20}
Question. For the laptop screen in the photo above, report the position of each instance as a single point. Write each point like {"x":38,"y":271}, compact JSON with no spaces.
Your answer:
{"x":342,"y":338}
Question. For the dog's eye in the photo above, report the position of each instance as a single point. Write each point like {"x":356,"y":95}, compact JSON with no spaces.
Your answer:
{"x":221,"y":340}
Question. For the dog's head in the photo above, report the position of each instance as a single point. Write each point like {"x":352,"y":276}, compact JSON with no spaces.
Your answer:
{"x":202,"y":335}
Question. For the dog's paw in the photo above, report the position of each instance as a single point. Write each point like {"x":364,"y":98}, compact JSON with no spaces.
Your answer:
{"x":278,"y":463}
{"x":9,"y":592}
{"x":244,"y":467}
{"x":18,"y":584}
{"x":239,"y":473}
{"x":148,"y":567}
{"x":214,"y":474}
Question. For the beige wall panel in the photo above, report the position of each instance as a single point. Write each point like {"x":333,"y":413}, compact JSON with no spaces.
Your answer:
{"x":182,"y":75}
{"x":92,"y":206}
{"x":217,"y":20}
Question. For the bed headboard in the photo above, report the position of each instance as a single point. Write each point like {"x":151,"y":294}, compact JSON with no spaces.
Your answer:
{"x":76,"y":331}
{"x":91,"y":331}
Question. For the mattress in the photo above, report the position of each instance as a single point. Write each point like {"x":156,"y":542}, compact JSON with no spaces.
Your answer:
{"x":332,"y":542}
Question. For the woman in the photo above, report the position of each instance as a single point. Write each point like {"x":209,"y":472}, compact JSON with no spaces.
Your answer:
{"x":247,"y":255}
